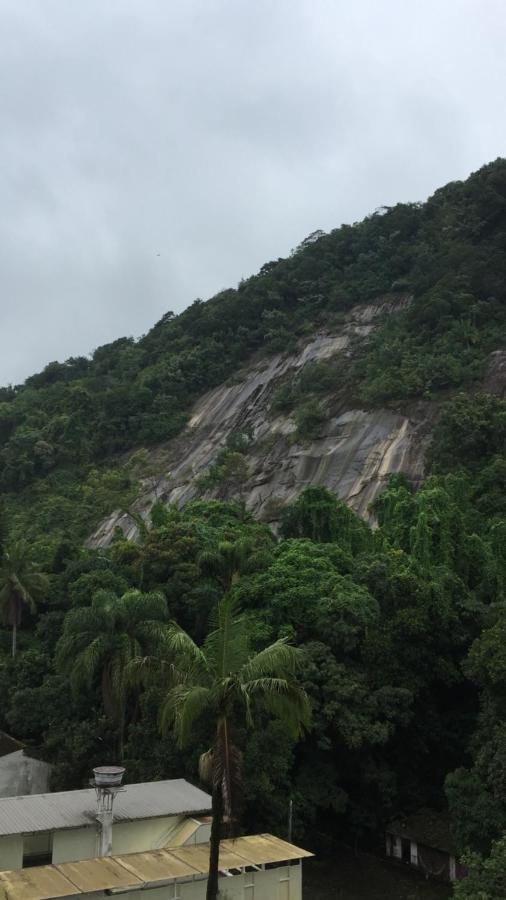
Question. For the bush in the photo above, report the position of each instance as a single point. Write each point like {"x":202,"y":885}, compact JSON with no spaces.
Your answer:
{"x":309,"y":419}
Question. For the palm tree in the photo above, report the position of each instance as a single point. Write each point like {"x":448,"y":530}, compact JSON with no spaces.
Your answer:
{"x":227,"y":560}
{"x":103,"y":639}
{"x":224,"y":678}
{"x":21,"y":584}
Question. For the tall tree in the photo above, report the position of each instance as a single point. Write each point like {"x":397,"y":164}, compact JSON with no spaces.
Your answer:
{"x":227,"y":560}
{"x":102,"y":639}
{"x":22,"y":584}
{"x":225,"y":679}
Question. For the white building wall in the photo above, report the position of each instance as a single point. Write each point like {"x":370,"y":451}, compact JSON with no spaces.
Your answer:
{"x":280,"y":883}
{"x":20,"y":774}
{"x":71,"y":844}
{"x":147,"y":834}
{"x":11,"y":851}
{"x":202,"y":835}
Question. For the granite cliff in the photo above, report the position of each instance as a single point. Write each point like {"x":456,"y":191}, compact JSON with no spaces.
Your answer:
{"x":355,"y":453}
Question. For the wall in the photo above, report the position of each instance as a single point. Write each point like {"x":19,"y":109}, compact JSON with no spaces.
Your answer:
{"x":11,"y":851}
{"x":127,"y":837}
{"x":148,"y":834}
{"x":71,"y":844}
{"x":202,"y":835}
{"x":281,"y":883}
{"x":20,"y":774}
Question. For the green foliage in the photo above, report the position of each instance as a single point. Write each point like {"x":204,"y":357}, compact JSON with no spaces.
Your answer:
{"x":309,"y":419}
{"x":487,"y":877}
{"x":441,"y":341}
{"x":471,"y":431}
{"x":101,"y":640}
{"x":315,"y":379}
{"x":22,"y":584}
{"x":317,"y":514}
{"x":229,"y":470}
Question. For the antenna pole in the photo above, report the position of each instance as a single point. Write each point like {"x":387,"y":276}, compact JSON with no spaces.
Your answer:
{"x":290,"y":819}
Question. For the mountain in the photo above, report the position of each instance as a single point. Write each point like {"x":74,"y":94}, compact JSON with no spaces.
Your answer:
{"x":328,"y":367}
{"x":369,"y":367}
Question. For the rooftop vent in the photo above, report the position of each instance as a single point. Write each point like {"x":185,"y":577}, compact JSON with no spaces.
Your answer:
{"x":107,"y":783}
{"x":108,"y":776}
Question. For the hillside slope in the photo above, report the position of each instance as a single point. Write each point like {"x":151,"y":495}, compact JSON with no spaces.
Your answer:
{"x":249,"y":366}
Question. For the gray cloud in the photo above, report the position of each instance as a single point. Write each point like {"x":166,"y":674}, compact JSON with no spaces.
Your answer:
{"x":217,"y":134}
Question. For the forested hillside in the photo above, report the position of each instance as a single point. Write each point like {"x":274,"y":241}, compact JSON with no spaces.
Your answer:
{"x":402,"y":618}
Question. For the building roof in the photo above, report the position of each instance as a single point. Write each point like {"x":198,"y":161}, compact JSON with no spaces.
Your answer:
{"x":9,"y":744}
{"x":428,"y":827}
{"x":73,"y":809}
{"x":141,"y":870}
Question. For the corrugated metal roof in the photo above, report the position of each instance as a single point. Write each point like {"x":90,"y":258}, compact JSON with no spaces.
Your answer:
{"x":73,"y":809}
{"x":39,"y":883}
{"x":140,"y":870}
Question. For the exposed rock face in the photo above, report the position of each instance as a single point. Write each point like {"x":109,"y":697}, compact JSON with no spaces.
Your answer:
{"x":495,"y":378}
{"x":354,"y":456}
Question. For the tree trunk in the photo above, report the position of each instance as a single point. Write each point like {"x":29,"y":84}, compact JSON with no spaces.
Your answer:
{"x":214,"y":850}
{"x":14,"y":638}
{"x":121,"y":729}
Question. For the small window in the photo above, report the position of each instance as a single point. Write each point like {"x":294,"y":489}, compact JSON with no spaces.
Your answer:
{"x":37,"y":849}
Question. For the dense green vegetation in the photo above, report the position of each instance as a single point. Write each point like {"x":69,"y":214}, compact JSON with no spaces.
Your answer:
{"x":402,"y":629}
{"x":402,"y":626}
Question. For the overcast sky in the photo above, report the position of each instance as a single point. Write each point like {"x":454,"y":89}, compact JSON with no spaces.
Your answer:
{"x":155,"y":151}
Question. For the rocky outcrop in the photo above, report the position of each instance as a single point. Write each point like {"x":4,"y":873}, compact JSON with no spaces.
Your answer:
{"x":495,"y":378}
{"x":354,"y":455}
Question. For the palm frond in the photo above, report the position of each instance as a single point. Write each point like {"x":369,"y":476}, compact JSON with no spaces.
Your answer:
{"x":141,"y":607}
{"x":181,"y":645}
{"x":146,"y":670}
{"x":206,"y":767}
{"x":226,"y":646}
{"x":87,"y":663}
{"x":280,"y":659}
{"x":152,"y":636}
{"x":182,"y":706}
{"x":284,"y":699}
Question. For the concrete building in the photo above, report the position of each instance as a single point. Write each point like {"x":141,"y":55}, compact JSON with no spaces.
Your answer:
{"x":260,"y":867}
{"x":64,"y":827}
{"x":20,"y":773}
